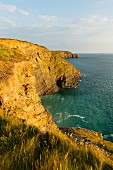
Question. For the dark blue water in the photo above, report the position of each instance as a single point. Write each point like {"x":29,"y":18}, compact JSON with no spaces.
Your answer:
{"x":90,"y":105}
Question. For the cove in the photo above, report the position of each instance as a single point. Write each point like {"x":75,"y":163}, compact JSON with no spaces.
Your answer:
{"x":90,"y":105}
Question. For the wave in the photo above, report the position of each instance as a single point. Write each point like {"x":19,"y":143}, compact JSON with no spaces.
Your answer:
{"x":81,"y":117}
{"x":83,"y":75}
{"x":60,"y":117}
{"x":108,"y":137}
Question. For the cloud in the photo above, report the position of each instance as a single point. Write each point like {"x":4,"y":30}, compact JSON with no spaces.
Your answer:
{"x":104,"y":5}
{"x":101,"y":2}
{"x":92,"y":33}
{"x":47,"y":17}
{"x":13,"y":9}
{"x":93,"y":20}
{"x":91,"y":25}
{"x":8,"y":8}
{"x":26,"y":13}
{"x":6,"y":23}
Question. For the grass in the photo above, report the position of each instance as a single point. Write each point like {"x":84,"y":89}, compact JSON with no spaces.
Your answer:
{"x":7,"y":57}
{"x":7,"y":54}
{"x":26,"y":148}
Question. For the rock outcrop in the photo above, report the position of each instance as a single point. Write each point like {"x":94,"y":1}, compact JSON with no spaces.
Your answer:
{"x":66,"y":54}
{"x":27,"y":71}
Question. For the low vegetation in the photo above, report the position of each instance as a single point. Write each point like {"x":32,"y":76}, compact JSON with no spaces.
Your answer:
{"x":7,"y":57}
{"x":7,"y":54}
{"x":26,"y":148}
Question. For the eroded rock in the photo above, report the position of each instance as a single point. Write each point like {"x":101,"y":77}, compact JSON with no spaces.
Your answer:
{"x":28,"y":71}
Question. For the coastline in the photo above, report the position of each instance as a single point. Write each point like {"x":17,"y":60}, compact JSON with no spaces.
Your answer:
{"x":27,"y":72}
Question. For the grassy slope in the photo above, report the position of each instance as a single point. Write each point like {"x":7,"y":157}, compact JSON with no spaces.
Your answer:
{"x":24,"y":148}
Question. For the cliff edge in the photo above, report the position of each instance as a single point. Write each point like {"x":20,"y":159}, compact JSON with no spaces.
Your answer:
{"x":27,"y":71}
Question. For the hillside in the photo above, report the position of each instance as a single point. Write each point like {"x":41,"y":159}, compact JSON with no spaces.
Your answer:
{"x":29,"y":138}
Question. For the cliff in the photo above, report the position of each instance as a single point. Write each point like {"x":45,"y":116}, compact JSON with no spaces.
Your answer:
{"x":66,"y":54}
{"x":29,"y":138}
{"x":27,"y":71}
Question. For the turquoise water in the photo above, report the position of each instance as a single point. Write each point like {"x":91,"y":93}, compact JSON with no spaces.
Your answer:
{"x":90,"y":105}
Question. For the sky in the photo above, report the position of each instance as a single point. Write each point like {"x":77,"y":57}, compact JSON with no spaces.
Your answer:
{"x":75,"y":25}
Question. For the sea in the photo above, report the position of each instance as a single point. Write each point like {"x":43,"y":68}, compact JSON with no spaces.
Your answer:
{"x":90,"y":105}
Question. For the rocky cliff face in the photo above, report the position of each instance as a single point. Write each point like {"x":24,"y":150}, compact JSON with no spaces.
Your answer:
{"x":66,"y":54}
{"x":26,"y":72}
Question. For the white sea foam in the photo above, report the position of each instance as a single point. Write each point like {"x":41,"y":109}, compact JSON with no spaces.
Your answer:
{"x":49,"y":107}
{"x":60,"y":117}
{"x":108,"y":136}
{"x":83,"y":75}
{"x":84,"y":121}
{"x":81,"y":117}
{"x":59,"y":121}
{"x":60,"y":114}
